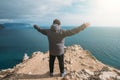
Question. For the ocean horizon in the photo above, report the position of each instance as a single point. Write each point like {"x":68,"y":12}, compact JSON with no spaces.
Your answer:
{"x":18,"y":39}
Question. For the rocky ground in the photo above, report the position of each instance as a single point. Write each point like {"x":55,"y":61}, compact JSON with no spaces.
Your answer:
{"x":79,"y":65}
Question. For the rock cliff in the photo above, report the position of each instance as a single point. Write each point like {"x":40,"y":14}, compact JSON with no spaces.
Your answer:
{"x":80,"y":64}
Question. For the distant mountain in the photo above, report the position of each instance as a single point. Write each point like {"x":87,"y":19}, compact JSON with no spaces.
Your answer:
{"x":16,"y":25}
{"x":1,"y":26}
{"x":7,"y":24}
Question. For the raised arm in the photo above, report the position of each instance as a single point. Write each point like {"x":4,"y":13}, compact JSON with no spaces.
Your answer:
{"x":43,"y":31}
{"x":75,"y":30}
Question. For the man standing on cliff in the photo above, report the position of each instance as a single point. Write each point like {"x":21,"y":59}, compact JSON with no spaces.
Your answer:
{"x":56,"y":42}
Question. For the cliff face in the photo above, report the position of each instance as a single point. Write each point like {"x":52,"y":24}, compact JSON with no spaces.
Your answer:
{"x":79,"y":65}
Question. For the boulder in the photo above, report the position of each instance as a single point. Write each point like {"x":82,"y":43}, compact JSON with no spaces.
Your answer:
{"x":26,"y":57}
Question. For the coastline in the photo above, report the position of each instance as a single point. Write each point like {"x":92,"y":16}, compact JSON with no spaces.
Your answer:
{"x":79,"y":64}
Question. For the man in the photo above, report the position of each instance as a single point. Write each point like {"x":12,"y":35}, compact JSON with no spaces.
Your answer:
{"x":56,"y":43}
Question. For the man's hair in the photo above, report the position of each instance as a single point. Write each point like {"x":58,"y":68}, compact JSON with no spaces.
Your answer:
{"x":56,"y":21}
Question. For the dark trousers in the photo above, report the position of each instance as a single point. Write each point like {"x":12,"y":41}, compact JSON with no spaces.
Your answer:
{"x":60,"y":60}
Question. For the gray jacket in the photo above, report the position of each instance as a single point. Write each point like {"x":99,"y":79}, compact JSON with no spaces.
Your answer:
{"x":56,"y":37}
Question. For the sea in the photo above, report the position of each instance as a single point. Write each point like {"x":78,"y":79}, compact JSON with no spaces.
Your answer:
{"x":16,"y":39}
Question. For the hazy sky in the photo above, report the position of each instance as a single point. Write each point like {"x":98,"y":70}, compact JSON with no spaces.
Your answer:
{"x":70,"y":12}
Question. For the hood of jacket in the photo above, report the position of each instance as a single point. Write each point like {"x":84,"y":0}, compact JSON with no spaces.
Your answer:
{"x":55,"y":27}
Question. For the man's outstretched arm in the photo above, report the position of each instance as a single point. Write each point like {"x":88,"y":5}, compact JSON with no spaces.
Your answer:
{"x":40,"y":30}
{"x":75,"y":30}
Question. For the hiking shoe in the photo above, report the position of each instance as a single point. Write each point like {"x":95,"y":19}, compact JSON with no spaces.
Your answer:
{"x":51,"y":74}
{"x":62,"y":74}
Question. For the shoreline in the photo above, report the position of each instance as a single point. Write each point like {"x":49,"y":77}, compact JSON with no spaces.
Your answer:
{"x":78,"y":62}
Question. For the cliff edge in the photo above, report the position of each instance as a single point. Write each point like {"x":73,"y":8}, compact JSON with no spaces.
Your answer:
{"x":80,"y":64}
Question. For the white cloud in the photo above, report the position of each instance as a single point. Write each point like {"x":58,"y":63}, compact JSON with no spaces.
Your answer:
{"x":106,"y":13}
{"x":34,"y":10}
{"x":6,"y":20}
{"x":73,"y":19}
{"x":70,"y":12}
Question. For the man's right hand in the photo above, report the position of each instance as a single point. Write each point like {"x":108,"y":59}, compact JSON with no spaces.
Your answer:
{"x":35,"y":26}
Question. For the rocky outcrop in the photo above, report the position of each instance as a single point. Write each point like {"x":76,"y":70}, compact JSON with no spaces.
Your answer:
{"x":86,"y":74}
{"x":80,"y":64}
{"x":26,"y":57}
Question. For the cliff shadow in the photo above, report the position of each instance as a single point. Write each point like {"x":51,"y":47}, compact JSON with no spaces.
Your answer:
{"x":35,"y":76}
